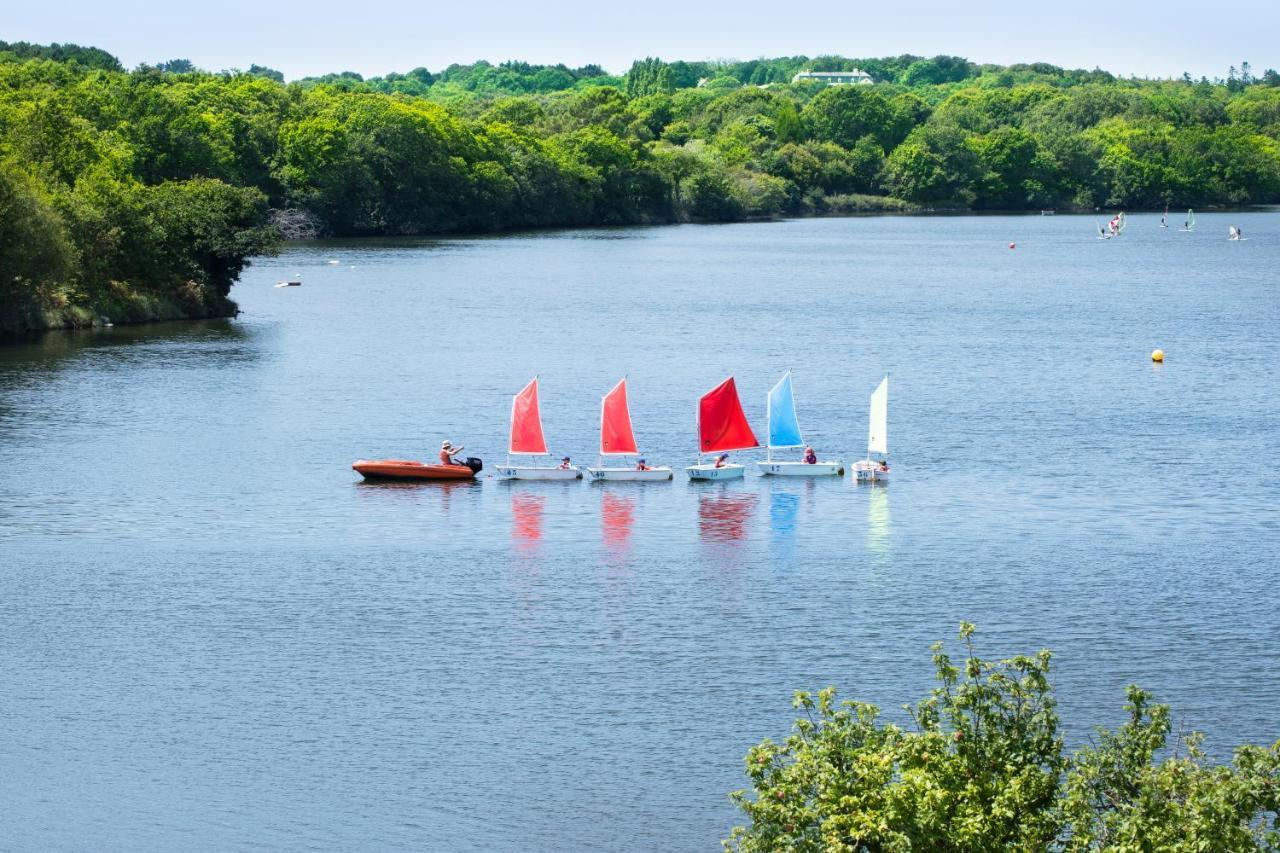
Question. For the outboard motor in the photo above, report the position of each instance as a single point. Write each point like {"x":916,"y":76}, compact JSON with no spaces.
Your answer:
{"x":474,"y":464}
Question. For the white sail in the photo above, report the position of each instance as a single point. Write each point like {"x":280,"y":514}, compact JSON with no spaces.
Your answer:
{"x":878,"y":431}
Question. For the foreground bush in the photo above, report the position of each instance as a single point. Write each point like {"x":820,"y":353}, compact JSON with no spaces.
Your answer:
{"x":984,"y":768}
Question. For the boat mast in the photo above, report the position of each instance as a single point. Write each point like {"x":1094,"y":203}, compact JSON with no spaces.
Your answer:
{"x":697,"y":431}
{"x":768,"y":427}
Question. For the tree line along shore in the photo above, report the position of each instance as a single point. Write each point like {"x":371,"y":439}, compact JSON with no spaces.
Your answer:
{"x":140,"y":195}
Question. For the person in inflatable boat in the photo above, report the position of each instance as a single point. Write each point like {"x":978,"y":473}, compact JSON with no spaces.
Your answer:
{"x":447,"y":452}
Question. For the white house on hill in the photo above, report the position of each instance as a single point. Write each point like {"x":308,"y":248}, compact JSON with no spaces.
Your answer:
{"x":835,"y":78}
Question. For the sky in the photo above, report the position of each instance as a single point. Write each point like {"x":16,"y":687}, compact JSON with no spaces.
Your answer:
{"x":1155,"y":39}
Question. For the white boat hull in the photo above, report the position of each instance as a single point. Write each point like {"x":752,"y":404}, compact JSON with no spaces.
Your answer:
{"x":711,"y":472}
{"x":800,"y":469}
{"x":598,"y":475}
{"x":520,"y":472}
{"x":869,"y":472}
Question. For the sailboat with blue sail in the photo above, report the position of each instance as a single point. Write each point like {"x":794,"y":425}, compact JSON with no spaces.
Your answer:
{"x":784,"y":434}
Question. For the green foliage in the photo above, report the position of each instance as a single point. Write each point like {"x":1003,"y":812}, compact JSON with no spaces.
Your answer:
{"x":176,"y":66}
{"x":487,"y":146}
{"x":1119,"y":796}
{"x":983,"y":767}
{"x":74,"y":54}
{"x":263,"y":71}
{"x":845,"y":114}
{"x":36,"y":254}
{"x":649,"y":76}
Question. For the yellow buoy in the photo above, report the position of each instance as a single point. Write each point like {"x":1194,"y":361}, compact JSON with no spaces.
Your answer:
{"x":1157,"y":355}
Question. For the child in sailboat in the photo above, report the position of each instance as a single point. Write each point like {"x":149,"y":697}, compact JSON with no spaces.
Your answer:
{"x":884,"y":465}
{"x":722,"y":460}
{"x":810,"y":456}
{"x":641,"y":466}
{"x":564,"y":464}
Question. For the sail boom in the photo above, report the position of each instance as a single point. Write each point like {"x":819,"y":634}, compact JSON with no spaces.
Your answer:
{"x":734,"y":448}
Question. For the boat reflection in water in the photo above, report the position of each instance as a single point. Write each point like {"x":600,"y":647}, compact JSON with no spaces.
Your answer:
{"x":438,"y":494}
{"x":784,"y":507}
{"x":878,"y":522}
{"x":617,"y":517}
{"x":724,"y":516}
{"x":527,"y":510}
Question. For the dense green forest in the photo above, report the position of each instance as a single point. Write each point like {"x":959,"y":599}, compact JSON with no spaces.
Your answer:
{"x":140,"y":194}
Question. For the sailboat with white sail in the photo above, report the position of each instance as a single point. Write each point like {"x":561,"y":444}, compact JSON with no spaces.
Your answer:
{"x":1164,"y":220}
{"x":617,"y":439}
{"x":871,"y":469}
{"x":526,"y":439}
{"x":722,"y":427}
{"x":784,"y":434}
{"x":1190,"y":224}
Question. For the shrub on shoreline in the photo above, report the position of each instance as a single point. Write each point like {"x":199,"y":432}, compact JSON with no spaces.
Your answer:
{"x":984,"y":768}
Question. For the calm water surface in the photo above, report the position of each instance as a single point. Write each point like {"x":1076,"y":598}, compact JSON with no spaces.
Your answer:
{"x":214,"y":637}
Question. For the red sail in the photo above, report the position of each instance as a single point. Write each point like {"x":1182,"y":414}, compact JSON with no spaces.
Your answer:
{"x":526,"y":422}
{"x":615,"y":422}
{"x":721,"y":422}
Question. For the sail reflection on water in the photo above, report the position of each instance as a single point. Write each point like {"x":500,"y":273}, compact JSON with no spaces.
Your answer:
{"x":617,"y":517}
{"x":724,"y":516}
{"x":527,"y":510}
{"x":878,"y":522}
{"x":784,"y":506}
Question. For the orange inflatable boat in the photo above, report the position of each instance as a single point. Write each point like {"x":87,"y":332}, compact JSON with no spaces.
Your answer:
{"x":408,"y":469}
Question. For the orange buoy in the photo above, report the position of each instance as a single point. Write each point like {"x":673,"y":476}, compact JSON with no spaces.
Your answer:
{"x":1158,"y":356}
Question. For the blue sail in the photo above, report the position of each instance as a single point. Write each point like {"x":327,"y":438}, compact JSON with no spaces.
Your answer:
{"x":784,"y":429}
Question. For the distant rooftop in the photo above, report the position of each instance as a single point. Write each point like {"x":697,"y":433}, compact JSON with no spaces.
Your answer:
{"x":835,"y":78}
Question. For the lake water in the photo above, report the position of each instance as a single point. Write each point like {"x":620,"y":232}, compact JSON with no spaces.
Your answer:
{"x":216,"y":637}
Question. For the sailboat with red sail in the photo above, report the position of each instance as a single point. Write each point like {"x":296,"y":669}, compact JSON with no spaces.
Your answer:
{"x":722,"y":427}
{"x":527,"y":440}
{"x":618,"y":439}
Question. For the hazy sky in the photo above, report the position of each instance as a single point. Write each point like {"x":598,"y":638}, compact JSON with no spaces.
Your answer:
{"x":1134,"y":37}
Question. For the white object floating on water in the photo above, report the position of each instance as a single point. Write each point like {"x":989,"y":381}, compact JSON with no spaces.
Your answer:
{"x":290,"y":284}
{"x":784,"y":434}
{"x":333,"y":263}
{"x":527,"y":440}
{"x":722,"y":427}
{"x":618,"y":439}
{"x":868,"y":470}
